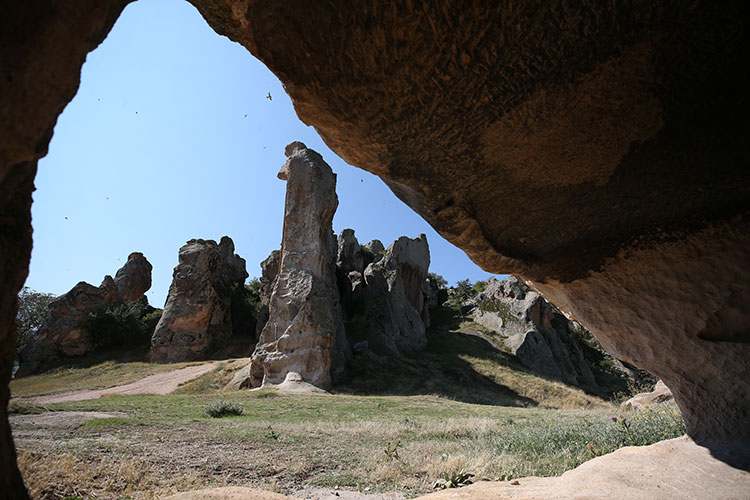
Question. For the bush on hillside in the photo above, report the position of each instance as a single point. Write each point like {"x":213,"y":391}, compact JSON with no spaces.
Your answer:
{"x":33,"y":311}
{"x":123,"y":325}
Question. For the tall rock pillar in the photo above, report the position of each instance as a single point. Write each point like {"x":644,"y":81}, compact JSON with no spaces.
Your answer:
{"x":305,"y":332}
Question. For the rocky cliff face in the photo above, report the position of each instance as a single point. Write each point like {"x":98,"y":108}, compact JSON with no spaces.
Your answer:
{"x":197,"y":315}
{"x":304,"y":333}
{"x":65,"y":332}
{"x":534,"y":330}
{"x":384,"y":302}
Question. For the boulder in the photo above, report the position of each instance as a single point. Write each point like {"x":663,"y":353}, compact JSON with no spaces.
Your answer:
{"x":197,"y":315}
{"x":534,"y":330}
{"x":65,"y":332}
{"x":660,"y":394}
{"x":304,"y":332}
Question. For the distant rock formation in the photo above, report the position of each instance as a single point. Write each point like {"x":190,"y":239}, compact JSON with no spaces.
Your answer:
{"x":304,"y":333}
{"x":65,"y":333}
{"x":197,"y":315}
{"x":534,"y":330}
{"x":384,"y":302}
{"x":660,"y":394}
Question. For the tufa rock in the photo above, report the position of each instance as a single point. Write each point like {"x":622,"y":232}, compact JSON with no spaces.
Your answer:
{"x":64,"y":333}
{"x":534,"y":330}
{"x":304,"y":332}
{"x":389,"y":311}
{"x":197,"y":315}
{"x":660,"y":394}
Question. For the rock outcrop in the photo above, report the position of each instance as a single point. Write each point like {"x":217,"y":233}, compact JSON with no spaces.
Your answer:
{"x":534,"y":330}
{"x":384,"y":303}
{"x":660,"y":394}
{"x":65,"y":331}
{"x":597,"y":150}
{"x":304,"y":333}
{"x":197,"y":315}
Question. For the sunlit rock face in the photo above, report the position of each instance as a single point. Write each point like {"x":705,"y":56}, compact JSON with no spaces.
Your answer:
{"x":66,"y":331}
{"x":305,"y":331}
{"x":197,"y":317}
{"x":573,"y":144}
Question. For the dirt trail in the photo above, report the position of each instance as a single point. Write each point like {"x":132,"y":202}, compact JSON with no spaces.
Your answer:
{"x":158,"y":383}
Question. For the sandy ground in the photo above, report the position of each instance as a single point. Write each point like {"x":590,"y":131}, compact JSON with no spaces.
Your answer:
{"x":159,"y":383}
{"x":314,"y":493}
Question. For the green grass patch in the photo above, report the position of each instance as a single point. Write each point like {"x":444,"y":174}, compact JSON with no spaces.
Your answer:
{"x":105,"y":424}
{"x":25,"y":408}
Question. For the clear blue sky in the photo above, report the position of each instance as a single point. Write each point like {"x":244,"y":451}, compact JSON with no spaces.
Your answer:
{"x":171,"y":137}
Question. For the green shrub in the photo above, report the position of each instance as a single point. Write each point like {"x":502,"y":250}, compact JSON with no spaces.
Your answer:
{"x":123,"y":325}
{"x":25,"y":408}
{"x":222,"y":408}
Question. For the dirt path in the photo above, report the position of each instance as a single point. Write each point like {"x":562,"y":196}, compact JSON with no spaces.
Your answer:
{"x":158,"y":383}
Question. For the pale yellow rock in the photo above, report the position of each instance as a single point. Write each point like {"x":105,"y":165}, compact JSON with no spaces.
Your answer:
{"x":230,"y":493}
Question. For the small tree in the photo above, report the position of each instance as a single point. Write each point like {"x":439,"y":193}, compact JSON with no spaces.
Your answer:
{"x":33,"y":311}
{"x":460,"y":295}
{"x":437,"y":279}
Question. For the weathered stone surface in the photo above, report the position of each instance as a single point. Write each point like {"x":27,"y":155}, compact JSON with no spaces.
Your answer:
{"x":660,"y":394}
{"x":389,"y":311}
{"x":65,"y":333}
{"x":304,"y":332}
{"x":134,"y":278}
{"x":269,"y":273}
{"x":197,"y":316}
{"x":573,"y":145}
{"x":349,"y":256}
{"x":534,"y":330}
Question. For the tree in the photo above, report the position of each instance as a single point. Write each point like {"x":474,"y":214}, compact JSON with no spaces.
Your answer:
{"x":437,"y":279}
{"x":33,"y":311}
{"x":460,"y":295}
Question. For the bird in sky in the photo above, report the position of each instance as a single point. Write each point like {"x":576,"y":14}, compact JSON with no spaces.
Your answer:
{"x":269,"y":97}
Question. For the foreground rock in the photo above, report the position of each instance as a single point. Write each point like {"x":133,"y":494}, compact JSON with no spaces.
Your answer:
{"x":534,"y":330}
{"x":66,"y":332}
{"x":197,"y":316}
{"x":660,"y":394}
{"x":304,"y":333}
{"x":676,"y":469}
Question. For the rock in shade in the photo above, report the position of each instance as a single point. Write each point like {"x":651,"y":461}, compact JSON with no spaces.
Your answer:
{"x":197,"y":315}
{"x":64,"y":333}
{"x":304,"y":333}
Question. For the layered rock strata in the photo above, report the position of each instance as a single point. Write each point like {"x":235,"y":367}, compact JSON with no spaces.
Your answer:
{"x":65,"y":332}
{"x":197,"y":315}
{"x":304,"y":333}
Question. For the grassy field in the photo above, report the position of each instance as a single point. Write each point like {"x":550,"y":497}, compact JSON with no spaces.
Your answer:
{"x":74,"y":378}
{"x":459,"y":407}
{"x":284,"y":442}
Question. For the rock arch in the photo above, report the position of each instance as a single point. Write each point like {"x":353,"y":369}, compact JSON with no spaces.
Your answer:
{"x":600,"y":152}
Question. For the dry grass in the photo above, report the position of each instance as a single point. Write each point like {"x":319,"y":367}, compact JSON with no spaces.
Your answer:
{"x":100,"y":376}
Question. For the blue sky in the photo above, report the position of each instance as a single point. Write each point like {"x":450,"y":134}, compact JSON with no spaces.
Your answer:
{"x":171,"y":137}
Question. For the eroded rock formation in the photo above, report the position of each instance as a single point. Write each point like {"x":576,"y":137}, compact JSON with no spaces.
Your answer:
{"x":197,"y":316}
{"x":304,"y":333}
{"x":65,"y":333}
{"x":534,"y":330}
{"x":384,"y":302}
{"x":598,"y":150}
